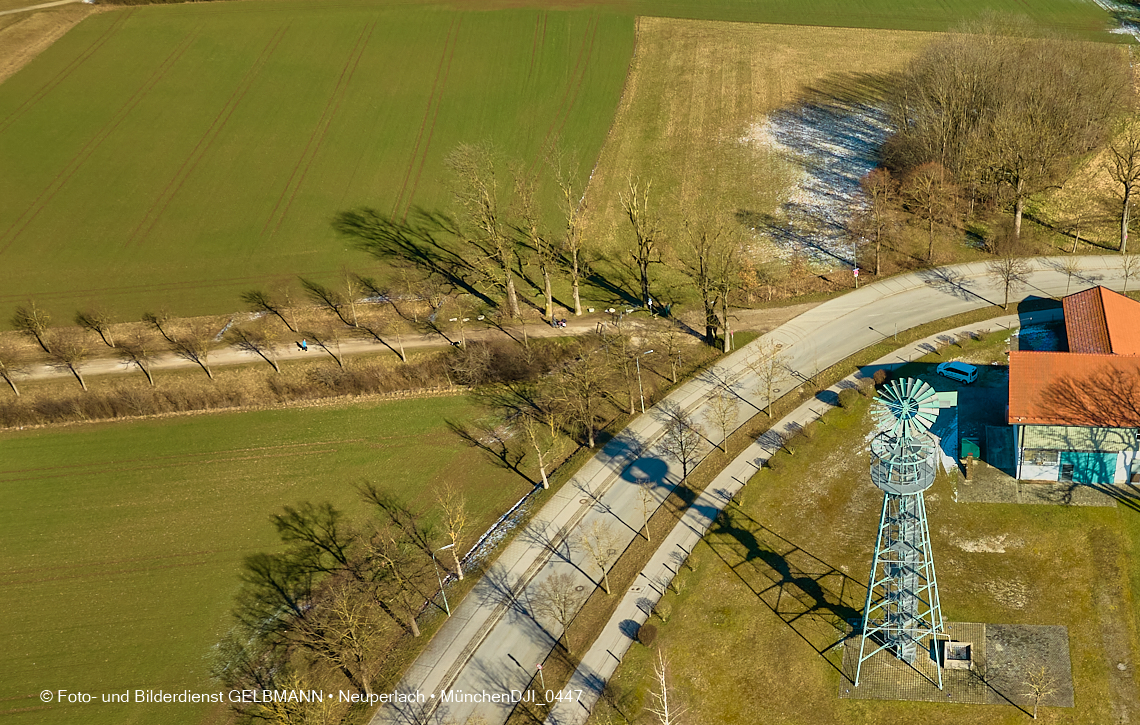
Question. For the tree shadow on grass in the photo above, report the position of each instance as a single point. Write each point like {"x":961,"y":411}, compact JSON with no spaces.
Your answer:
{"x":815,"y":599}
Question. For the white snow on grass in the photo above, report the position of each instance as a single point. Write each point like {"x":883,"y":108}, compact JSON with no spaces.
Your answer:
{"x":832,"y":145}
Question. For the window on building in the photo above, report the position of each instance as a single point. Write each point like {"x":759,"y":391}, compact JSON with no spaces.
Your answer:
{"x":1040,"y":456}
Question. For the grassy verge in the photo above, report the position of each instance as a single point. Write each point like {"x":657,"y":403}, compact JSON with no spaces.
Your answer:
{"x":752,"y":628}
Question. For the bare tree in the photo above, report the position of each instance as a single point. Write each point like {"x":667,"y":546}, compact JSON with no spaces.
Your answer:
{"x":475,"y":187}
{"x":97,"y":320}
{"x":542,"y":443}
{"x":192,"y":343}
{"x":69,"y":352}
{"x":881,"y":191}
{"x":454,"y":508}
{"x":33,"y":322}
{"x":708,"y":257}
{"x":673,"y":344}
{"x":572,"y":205}
{"x":139,"y":350}
{"x":1009,"y":272}
{"x":648,"y":502}
{"x":1124,"y":167}
{"x":600,"y":543}
{"x":771,"y":367}
{"x":260,"y":340}
{"x":557,"y":598}
{"x":683,"y":438}
{"x":1071,"y":266}
{"x":932,"y":196}
{"x":583,"y":387}
{"x":722,"y":412}
{"x":666,"y":713}
{"x":646,"y":231}
{"x":1129,"y":268}
{"x":11,"y":364}
{"x":542,"y":248}
{"x":1040,"y":685}
{"x":281,"y":308}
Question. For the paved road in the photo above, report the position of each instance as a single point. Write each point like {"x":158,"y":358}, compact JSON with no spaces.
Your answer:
{"x":602,"y":660}
{"x":492,"y":641}
{"x":41,"y":6}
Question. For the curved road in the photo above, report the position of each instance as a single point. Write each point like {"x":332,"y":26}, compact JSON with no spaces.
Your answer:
{"x":492,"y":642}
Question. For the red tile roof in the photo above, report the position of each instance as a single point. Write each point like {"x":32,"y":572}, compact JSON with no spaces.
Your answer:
{"x":1101,"y":321}
{"x":1059,"y":388}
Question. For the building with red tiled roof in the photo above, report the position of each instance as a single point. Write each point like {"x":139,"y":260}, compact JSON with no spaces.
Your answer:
{"x":1076,"y":414}
{"x":1099,"y":320}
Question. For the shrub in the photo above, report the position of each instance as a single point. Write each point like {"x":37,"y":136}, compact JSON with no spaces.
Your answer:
{"x":847,"y":397}
{"x":867,"y":387}
{"x":646,"y":634}
{"x":882,"y":375}
{"x":775,"y":463}
{"x":808,"y":431}
{"x":663,"y":611}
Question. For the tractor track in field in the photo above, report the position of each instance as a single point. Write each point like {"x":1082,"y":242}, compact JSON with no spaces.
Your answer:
{"x":66,"y":71}
{"x":180,"y":456}
{"x":451,"y":38}
{"x":162,"y":202}
{"x":118,"y":468}
{"x":77,"y":162}
{"x":317,"y":137}
{"x":538,"y":41}
{"x":96,"y":573}
{"x":258,"y":279}
{"x":575,"y":82}
{"x":431,"y":127}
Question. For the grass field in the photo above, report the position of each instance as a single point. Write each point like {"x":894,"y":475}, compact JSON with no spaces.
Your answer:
{"x":180,"y":154}
{"x":122,"y":542}
{"x":751,"y":628}
{"x":697,"y":93}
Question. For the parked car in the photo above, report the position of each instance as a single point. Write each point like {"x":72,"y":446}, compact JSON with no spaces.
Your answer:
{"x":959,"y":371}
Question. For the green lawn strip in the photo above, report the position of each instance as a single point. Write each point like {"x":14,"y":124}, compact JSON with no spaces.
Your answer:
{"x":122,"y":542}
{"x":178,"y":155}
{"x":742,"y":637}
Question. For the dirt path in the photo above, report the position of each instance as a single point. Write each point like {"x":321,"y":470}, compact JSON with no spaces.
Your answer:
{"x":41,"y":6}
{"x":746,"y":320}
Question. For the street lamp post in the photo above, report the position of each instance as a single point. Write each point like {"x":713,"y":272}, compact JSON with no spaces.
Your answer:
{"x":640,"y":390}
{"x":446,"y":606}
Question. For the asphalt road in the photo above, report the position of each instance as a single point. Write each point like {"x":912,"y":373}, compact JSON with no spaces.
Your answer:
{"x":492,"y":642}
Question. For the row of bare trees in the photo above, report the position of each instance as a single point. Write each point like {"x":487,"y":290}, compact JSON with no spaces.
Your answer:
{"x":334,"y":605}
{"x":998,"y":114}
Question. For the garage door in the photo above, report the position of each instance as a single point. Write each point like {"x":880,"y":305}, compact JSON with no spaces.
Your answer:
{"x":1088,"y":467}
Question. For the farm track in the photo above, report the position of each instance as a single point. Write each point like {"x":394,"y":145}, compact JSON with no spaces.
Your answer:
{"x":317,"y":137}
{"x":160,"y":204}
{"x":65,"y":72}
{"x":94,"y":143}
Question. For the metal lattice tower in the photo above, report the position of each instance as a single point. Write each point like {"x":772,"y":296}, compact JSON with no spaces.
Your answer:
{"x":902,"y":608}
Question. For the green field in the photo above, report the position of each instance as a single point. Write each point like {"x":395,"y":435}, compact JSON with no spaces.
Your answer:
{"x":181,"y":154}
{"x":1071,"y":16}
{"x":121,"y":543}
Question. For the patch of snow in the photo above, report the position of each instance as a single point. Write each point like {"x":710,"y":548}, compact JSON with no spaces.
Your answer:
{"x":987,"y":544}
{"x":832,"y":145}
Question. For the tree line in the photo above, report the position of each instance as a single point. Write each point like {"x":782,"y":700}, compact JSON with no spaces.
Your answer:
{"x":988,"y":119}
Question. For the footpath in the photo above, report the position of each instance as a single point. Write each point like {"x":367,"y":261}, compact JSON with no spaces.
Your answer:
{"x":493,"y":639}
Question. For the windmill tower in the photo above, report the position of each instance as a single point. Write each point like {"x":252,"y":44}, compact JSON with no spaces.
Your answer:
{"x":902,"y":608}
